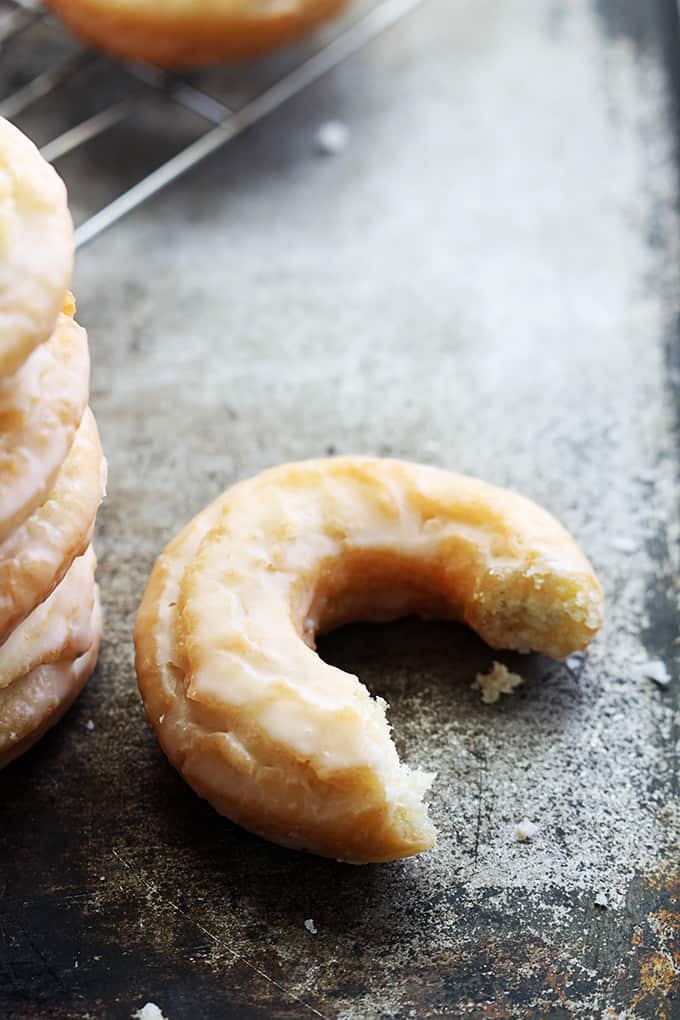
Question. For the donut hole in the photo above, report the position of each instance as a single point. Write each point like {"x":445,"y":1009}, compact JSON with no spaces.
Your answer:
{"x":377,"y":585}
{"x":513,"y":609}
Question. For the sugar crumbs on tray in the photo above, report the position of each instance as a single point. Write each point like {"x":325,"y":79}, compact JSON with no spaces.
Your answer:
{"x":332,"y":137}
{"x":149,"y":1012}
{"x":525,"y":831}
{"x":499,"y":680}
{"x":656,"y":671}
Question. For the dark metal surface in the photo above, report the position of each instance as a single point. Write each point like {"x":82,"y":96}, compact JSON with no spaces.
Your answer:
{"x":277,"y":305}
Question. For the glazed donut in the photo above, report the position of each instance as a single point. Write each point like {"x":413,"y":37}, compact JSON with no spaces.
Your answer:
{"x":35,"y":702}
{"x":58,"y":629}
{"x":41,"y":407}
{"x":34,"y":559}
{"x":36,"y":247}
{"x":187,"y":33}
{"x":279,"y":741}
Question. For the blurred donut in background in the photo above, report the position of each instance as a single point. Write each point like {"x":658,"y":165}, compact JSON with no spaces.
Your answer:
{"x":188,"y":33}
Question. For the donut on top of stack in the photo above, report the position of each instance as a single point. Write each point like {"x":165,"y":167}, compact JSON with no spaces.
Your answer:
{"x":52,"y":469}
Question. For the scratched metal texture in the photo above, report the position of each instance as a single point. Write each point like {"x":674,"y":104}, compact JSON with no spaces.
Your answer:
{"x":486,"y":278}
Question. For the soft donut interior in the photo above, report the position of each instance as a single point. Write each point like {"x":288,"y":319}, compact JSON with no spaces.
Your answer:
{"x":522,"y":608}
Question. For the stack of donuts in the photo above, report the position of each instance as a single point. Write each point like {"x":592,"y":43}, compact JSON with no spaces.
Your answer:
{"x":52,"y":470}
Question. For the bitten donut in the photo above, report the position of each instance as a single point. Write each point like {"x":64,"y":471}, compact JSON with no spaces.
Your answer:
{"x":41,"y":407}
{"x":35,"y":557}
{"x":186,"y":33}
{"x":278,"y":740}
{"x":36,"y":247}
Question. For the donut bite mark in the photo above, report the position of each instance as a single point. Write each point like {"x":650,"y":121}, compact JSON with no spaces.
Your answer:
{"x":279,"y":741}
{"x":189,"y":33}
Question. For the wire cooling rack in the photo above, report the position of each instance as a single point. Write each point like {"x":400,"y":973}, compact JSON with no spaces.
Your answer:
{"x":221,"y":122}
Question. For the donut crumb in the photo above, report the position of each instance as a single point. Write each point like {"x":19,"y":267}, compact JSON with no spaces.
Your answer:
{"x":623,"y":544}
{"x":525,"y":831}
{"x":499,"y":680}
{"x":656,"y":670}
{"x":332,"y":137}
{"x":149,"y":1012}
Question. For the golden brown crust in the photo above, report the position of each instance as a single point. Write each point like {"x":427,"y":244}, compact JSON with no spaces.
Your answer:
{"x":41,"y":407}
{"x":273,"y":737}
{"x":188,"y":33}
{"x":36,"y":702}
{"x":57,"y":630}
{"x":35,"y":557}
{"x":36,"y":248}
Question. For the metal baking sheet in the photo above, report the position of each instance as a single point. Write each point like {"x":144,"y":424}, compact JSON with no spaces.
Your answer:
{"x":485,"y":278}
